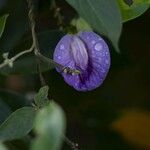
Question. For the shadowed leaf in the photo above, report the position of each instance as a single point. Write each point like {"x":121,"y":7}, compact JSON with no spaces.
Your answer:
{"x":18,"y":124}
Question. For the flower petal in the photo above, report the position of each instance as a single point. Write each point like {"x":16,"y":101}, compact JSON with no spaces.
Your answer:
{"x":79,"y":52}
{"x":86,"y":52}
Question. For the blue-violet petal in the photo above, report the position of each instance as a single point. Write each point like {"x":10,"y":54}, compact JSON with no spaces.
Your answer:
{"x":86,"y":52}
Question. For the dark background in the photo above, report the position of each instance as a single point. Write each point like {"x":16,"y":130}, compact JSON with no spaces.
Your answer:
{"x":116,"y":115}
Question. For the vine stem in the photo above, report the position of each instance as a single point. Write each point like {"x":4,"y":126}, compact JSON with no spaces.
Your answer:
{"x":73,"y":146}
{"x":11,"y":60}
{"x":35,"y":39}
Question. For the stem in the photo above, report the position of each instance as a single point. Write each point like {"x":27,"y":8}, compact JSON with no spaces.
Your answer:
{"x":37,"y":53}
{"x":73,"y":146}
{"x":35,"y":39}
{"x":35,"y":47}
{"x":11,"y":60}
{"x":63,"y":68}
{"x":32,"y":21}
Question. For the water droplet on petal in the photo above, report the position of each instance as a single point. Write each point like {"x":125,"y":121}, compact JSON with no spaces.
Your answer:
{"x":100,"y":39}
{"x":59,"y":57}
{"x":106,"y":53}
{"x":62,"y":47}
{"x":93,"y":42}
{"x":76,"y":84}
{"x":98,"y":47}
{"x":102,"y":70}
{"x":88,"y":37}
{"x":106,"y":61}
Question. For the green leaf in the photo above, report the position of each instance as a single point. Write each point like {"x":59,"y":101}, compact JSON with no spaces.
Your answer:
{"x":28,"y":64}
{"x":2,"y":146}
{"x":18,"y":124}
{"x":13,"y":100}
{"x":81,"y":24}
{"x":103,"y":15}
{"x":4,"y":111}
{"x":17,"y":24}
{"x":135,"y":10}
{"x":25,"y":65}
{"x":50,"y":127}
{"x":41,"y":98}
{"x":9,"y":102}
{"x":2,"y":23}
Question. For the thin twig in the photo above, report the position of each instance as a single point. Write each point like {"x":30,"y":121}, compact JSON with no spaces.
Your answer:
{"x":57,"y":14}
{"x":36,"y":49}
{"x":61,"y":67}
{"x":73,"y":146}
{"x":11,"y":60}
{"x":35,"y":39}
{"x":32,"y":22}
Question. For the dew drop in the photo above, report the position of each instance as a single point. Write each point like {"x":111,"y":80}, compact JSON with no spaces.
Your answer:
{"x":102,"y":70}
{"x":59,"y":57}
{"x":88,"y":37}
{"x":76,"y":84}
{"x":93,"y":42}
{"x":62,"y":47}
{"x":100,"y":39}
{"x":106,"y":61}
{"x":98,"y":47}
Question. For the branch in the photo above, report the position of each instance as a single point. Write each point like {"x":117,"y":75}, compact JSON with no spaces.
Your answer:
{"x":73,"y":146}
{"x":36,"y":49}
{"x":35,"y":39}
{"x":32,"y":21}
{"x":10,"y":61}
{"x":63,"y":68}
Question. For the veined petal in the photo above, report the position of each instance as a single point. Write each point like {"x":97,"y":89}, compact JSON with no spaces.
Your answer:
{"x":87,"y":52}
{"x":79,"y":52}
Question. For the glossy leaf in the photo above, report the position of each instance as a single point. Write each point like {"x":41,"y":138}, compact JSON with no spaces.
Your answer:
{"x":41,"y":98}
{"x":50,"y":127}
{"x":2,"y":23}
{"x":135,"y":10}
{"x":18,"y":124}
{"x":104,"y":16}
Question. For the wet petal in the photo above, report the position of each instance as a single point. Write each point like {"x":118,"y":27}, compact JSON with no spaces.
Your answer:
{"x":86,"y":52}
{"x":79,"y":52}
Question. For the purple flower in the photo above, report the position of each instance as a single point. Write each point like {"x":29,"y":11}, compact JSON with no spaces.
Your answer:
{"x":86,"y":52}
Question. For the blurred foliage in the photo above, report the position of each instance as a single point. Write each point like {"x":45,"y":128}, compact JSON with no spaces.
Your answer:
{"x":95,"y":119}
{"x":41,"y":98}
{"x":134,"y":125}
{"x":2,"y":147}
{"x":2,"y":24}
{"x":50,"y":127}
{"x":137,"y":8}
{"x":81,"y":24}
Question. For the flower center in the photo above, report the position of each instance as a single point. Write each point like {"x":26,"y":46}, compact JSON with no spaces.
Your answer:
{"x":79,"y":52}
